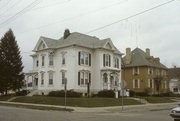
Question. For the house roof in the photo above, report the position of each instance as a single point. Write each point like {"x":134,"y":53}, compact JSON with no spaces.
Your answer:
{"x":79,"y":39}
{"x":174,"y":73}
{"x":140,"y":58}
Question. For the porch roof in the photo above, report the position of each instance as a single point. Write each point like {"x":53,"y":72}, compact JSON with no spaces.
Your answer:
{"x":110,"y":69}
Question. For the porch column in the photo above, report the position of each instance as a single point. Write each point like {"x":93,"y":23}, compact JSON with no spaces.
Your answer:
{"x":108,"y":83}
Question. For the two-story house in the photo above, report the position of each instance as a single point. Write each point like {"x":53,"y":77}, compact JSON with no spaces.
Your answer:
{"x":144,"y":73}
{"x":80,"y":60}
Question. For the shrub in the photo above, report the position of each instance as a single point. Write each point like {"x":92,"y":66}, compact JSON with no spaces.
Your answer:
{"x":22,"y":93}
{"x":131,"y":93}
{"x":141,"y":94}
{"x":106,"y":93}
{"x":61,"y":93}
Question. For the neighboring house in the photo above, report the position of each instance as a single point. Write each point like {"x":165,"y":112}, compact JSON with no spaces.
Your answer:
{"x":144,"y":73}
{"x":84,"y":61}
{"x":174,"y":83}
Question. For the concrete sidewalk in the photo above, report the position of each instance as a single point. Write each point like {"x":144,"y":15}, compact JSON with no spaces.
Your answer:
{"x":117,"y":109}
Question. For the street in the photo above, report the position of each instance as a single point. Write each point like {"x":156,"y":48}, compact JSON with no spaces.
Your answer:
{"x":20,"y":114}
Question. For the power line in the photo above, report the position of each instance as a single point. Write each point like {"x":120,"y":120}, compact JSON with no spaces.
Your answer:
{"x":130,"y":16}
{"x":57,"y":3}
{"x":34,"y":3}
{"x":10,"y":7}
{"x":80,"y":15}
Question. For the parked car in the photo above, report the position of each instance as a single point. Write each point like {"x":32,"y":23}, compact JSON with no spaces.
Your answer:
{"x":175,"y":113}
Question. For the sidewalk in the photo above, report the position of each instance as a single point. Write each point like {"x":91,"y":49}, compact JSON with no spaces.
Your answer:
{"x":117,"y":109}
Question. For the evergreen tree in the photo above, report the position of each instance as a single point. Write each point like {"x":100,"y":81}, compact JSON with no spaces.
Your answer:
{"x":13,"y":70}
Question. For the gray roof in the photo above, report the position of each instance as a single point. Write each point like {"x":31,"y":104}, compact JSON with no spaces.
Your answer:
{"x":174,"y":73}
{"x":79,"y":39}
{"x":140,"y":58}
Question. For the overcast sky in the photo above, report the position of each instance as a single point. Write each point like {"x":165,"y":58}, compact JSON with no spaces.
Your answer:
{"x":158,"y":29}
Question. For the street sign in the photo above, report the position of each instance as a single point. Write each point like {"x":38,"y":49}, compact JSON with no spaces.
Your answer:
{"x":123,"y":84}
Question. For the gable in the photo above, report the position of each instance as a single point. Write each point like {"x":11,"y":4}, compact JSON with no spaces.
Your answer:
{"x":108,"y":46}
{"x":41,"y":46}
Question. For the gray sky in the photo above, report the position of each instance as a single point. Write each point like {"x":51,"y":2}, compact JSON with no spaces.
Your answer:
{"x":157,"y":29}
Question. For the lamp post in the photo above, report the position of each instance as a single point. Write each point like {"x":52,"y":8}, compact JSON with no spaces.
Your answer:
{"x":65,"y":91}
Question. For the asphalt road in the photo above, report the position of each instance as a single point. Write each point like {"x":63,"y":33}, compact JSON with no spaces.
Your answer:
{"x":20,"y":114}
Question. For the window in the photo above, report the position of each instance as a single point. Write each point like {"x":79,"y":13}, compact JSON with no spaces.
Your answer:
{"x":51,"y":60}
{"x":42,"y":78}
{"x":42,"y":60}
{"x":63,"y":77}
{"x":43,"y":46}
{"x":157,"y":72}
{"x":106,"y":60}
{"x":150,"y":83}
{"x":37,"y":63}
{"x":50,"y":78}
{"x":175,"y":89}
{"x":116,"y":62}
{"x":150,"y":71}
{"x":136,"y":83}
{"x":84,"y":58}
{"x":84,"y":78}
{"x":63,"y":59}
{"x":135,"y":71}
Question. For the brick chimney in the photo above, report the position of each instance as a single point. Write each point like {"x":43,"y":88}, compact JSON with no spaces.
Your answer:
{"x":128,"y":56}
{"x":66,"y":33}
{"x":148,"y":51}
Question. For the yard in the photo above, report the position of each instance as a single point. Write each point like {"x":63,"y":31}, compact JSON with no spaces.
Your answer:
{"x":77,"y":102}
{"x":152,"y":99}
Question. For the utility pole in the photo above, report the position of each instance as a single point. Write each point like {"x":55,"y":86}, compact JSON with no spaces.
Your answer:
{"x":65,"y":91}
{"x":88,"y":88}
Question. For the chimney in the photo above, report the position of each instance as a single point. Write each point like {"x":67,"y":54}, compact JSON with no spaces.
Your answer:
{"x":148,"y":51}
{"x":66,"y":33}
{"x":128,"y":56}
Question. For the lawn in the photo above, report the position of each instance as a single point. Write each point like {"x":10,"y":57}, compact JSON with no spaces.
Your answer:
{"x":4,"y":98}
{"x":36,"y":107}
{"x":77,"y":102}
{"x":159,"y":99}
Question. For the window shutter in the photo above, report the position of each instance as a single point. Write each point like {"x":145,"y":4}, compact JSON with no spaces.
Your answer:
{"x":79,"y":58}
{"x":118,"y":63}
{"x":133,"y":83}
{"x":152,"y":83}
{"x":78,"y":78}
{"x":104,"y":60}
{"x":89,"y":78}
{"x":138,"y":83}
{"x":89,"y":59}
{"x":109,"y":60}
{"x":149,"y":83}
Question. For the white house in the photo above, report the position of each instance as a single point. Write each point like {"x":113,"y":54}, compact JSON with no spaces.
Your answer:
{"x":80,"y":59}
{"x":174,"y":83}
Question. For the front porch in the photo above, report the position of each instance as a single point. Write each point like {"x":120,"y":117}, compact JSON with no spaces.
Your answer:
{"x":110,"y":78}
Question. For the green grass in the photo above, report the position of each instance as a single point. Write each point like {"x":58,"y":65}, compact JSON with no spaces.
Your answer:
{"x":159,"y":99}
{"x":36,"y":107}
{"x":5,"y":98}
{"x":76,"y":102}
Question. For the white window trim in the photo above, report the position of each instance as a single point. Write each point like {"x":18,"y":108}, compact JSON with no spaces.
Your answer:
{"x":87,"y":72}
{"x":84,"y":54}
